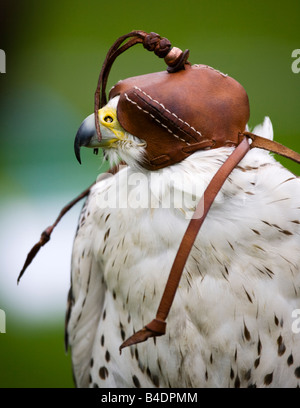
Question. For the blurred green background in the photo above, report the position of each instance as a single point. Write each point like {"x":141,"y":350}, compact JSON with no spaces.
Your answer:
{"x":54,"y":52}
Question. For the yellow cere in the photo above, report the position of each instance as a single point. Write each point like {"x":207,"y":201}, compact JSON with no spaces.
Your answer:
{"x":108,"y":118}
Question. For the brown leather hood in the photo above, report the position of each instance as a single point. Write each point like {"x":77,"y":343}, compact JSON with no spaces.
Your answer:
{"x":181,"y":112}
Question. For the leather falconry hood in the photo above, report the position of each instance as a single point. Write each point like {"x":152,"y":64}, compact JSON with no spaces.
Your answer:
{"x":178,"y":113}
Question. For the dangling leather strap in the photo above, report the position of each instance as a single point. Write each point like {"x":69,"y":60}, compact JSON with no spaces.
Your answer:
{"x":157,"y":327}
{"x":174,"y":58}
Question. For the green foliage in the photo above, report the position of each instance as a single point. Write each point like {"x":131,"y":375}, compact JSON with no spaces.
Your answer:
{"x":34,"y":357}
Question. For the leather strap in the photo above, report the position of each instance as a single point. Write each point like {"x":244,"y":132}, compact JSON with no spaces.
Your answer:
{"x":46,"y":234}
{"x":157,"y":327}
{"x":274,"y":147}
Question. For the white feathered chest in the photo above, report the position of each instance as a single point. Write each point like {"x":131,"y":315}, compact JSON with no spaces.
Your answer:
{"x":231,"y":321}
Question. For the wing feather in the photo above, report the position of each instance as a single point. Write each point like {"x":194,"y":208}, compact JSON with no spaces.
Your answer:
{"x":85,"y":298}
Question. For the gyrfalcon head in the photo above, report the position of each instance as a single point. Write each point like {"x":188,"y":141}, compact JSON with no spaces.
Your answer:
{"x":117,"y":144}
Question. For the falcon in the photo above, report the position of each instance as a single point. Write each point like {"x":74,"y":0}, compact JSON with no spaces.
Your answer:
{"x":232,"y":320}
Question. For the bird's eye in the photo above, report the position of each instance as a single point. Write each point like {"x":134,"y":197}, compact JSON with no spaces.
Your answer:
{"x":108,"y":119}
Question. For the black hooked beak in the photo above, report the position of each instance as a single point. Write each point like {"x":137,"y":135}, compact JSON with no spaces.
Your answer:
{"x":86,"y":136}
